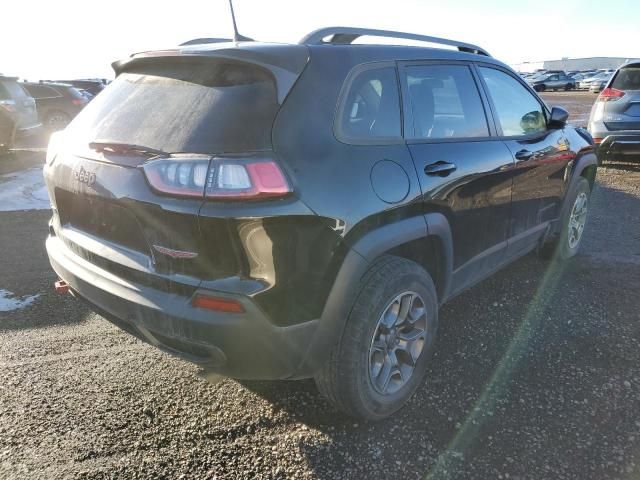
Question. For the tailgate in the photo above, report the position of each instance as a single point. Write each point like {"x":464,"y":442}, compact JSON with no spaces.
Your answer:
{"x":623,"y":114}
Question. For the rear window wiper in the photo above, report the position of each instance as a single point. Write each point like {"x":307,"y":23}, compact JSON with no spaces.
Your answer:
{"x":117,"y":147}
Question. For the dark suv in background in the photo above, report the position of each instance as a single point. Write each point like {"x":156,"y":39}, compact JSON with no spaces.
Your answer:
{"x":290,"y":211}
{"x":93,"y":87}
{"x":57,"y":103}
{"x":18,"y":115}
{"x":615,"y":117}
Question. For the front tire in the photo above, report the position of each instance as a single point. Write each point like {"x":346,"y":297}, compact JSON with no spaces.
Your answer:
{"x":388,"y":338}
{"x":573,"y":221}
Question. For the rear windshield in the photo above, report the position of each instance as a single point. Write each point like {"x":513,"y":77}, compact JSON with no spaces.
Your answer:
{"x":628,"y":78}
{"x":184,"y":105}
{"x":11,"y":89}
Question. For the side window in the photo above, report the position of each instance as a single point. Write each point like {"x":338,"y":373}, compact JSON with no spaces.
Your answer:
{"x":445,"y":102}
{"x":371,"y":108}
{"x":41,"y":91}
{"x":517,"y":110}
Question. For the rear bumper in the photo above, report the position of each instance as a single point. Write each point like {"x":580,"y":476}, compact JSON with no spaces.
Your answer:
{"x":620,"y":146}
{"x":245,"y":345}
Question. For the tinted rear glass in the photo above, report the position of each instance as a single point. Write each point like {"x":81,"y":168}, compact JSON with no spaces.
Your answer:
{"x":445,"y":102}
{"x":627,"y":78}
{"x":371,"y":108}
{"x":184,"y":105}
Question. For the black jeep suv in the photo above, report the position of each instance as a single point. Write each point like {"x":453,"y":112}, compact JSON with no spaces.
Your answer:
{"x":292,"y":211}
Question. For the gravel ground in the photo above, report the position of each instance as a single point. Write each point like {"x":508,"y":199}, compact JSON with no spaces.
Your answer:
{"x":536,"y":375}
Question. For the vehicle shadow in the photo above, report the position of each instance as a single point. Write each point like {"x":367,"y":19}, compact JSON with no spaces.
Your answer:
{"x":535,"y":375}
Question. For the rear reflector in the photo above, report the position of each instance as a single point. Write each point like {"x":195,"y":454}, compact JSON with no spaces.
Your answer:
{"x":598,"y":141}
{"x":217,"y":304}
{"x":610,"y":95}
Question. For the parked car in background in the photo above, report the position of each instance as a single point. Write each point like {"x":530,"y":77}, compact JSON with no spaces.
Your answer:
{"x":57,"y":103}
{"x":553,"y":81}
{"x":578,"y":76}
{"x":598,"y":86}
{"x":94,"y":87}
{"x":226,"y":236}
{"x":585,"y":84}
{"x":18,"y":115}
{"x":615,"y":117}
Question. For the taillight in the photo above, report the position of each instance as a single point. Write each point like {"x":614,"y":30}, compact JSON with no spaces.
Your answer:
{"x":231,"y":179}
{"x":218,"y":178}
{"x":178,"y":176}
{"x":55,"y":141}
{"x":79,"y":101}
{"x":610,"y":95}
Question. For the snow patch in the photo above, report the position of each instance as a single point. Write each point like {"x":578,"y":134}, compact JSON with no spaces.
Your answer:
{"x":24,"y":190}
{"x":9,"y":302}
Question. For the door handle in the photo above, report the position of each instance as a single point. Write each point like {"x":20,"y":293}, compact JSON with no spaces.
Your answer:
{"x":524,"y":155}
{"x":440,"y":168}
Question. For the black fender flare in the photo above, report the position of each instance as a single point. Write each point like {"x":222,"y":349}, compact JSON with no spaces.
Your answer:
{"x":582,"y":162}
{"x":358,"y":260}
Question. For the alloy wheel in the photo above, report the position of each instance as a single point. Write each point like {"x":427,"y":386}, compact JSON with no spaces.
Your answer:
{"x":397,"y":343}
{"x":578,"y":219}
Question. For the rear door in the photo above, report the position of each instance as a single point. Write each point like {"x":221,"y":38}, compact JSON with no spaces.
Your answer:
{"x":541,"y":155}
{"x":622,"y":110}
{"x":465,"y":172}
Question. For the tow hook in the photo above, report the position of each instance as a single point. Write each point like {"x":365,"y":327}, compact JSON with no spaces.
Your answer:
{"x":61,"y":287}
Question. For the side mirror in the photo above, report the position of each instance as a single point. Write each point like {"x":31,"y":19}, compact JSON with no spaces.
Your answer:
{"x":559,"y":117}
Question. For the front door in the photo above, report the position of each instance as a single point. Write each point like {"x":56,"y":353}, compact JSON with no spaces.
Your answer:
{"x":465,"y":172}
{"x":541,"y":155}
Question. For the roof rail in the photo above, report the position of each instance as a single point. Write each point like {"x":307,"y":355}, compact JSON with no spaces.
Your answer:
{"x":197,"y":41}
{"x":347,"y":35}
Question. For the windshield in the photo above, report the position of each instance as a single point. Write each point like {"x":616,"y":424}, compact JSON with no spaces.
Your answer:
{"x":184,"y":105}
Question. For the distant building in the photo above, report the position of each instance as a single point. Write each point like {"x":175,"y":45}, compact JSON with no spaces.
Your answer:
{"x":593,"y":63}
{"x":568,"y":64}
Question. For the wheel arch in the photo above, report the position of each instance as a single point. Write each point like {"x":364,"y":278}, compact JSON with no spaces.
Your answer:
{"x":425,"y":239}
{"x":585,"y":166}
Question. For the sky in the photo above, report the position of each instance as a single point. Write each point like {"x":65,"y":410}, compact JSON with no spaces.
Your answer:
{"x":41,"y":39}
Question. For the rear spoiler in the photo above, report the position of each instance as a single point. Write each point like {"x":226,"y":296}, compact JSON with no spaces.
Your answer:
{"x":285,"y":62}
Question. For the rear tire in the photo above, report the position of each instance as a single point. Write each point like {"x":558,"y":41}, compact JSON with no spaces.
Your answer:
{"x":374,"y":368}
{"x":573,"y":222}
